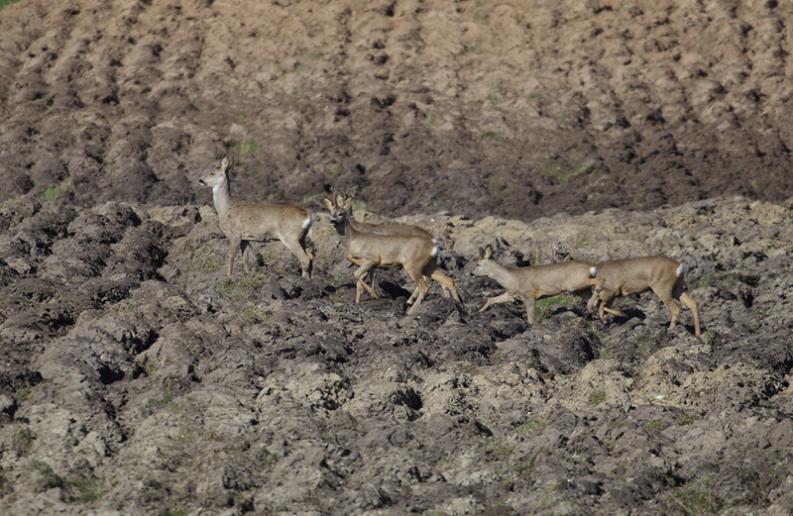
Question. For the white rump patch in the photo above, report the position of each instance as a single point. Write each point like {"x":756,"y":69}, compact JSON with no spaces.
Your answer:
{"x":593,"y":271}
{"x":307,"y":223}
{"x":681,"y":269}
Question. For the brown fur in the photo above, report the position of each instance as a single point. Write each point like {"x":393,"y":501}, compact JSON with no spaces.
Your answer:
{"x":634,"y":275}
{"x":243,"y":222}
{"x":528,"y":284}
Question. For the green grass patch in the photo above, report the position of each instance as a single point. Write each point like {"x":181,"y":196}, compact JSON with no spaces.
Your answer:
{"x":265,"y":457}
{"x":432,"y":120}
{"x":6,"y":3}
{"x":240,"y":289}
{"x":166,"y":399}
{"x":564,"y":175}
{"x":532,"y":426}
{"x":524,"y":469}
{"x":51,"y":479}
{"x":247,"y":148}
{"x":23,"y":441}
{"x":597,"y":397}
{"x":480,"y":15}
{"x":475,"y":48}
{"x":543,"y":307}
{"x":5,"y":484}
{"x":83,"y":489}
{"x":655,"y":426}
{"x":467,"y":368}
{"x":255,"y":314}
{"x":334,"y":171}
{"x":698,"y":497}
{"x":685,"y":418}
{"x":207,"y":259}
{"x":491,"y":135}
{"x":534,"y":97}
{"x":174,"y":512}
{"x":499,"y":448}
{"x":52,"y":193}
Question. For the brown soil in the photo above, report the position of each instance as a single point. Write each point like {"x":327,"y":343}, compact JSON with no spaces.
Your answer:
{"x":137,"y":379}
{"x":517,"y":108}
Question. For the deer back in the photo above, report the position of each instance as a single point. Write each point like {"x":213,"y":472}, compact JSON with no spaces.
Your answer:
{"x":254,"y":221}
{"x":637,"y":274}
{"x":390,"y":249}
{"x":554,"y":278}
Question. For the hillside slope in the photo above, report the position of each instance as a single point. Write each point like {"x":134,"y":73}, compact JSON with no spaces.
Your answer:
{"x":516,"y":108}
{"x":137,"y":377}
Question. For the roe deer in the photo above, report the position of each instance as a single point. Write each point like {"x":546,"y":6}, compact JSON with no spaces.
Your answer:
{"x":531,"y":283}
{"x":415,"y":254}
{"x":340,"y":203}
{"x":243,"y":222}
{"x":661,"y":274}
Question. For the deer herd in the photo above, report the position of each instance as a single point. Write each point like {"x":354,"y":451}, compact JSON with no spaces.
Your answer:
{"x":369,"y":246}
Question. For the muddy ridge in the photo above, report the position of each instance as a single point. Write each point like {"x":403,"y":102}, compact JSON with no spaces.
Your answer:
{"x":137,"y":377}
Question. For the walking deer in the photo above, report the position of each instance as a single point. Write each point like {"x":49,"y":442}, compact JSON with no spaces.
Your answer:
{"x":661,"y":274}
{"x":416,"y":254}
{"x":243,"y":222}
{"x":340,"y":203}
{"x":528,"y":284}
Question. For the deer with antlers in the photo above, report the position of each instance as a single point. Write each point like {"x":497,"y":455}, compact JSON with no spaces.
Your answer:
{"x":243,"y":222}
{"x":371,"y":246}
{"x":340,"y":202}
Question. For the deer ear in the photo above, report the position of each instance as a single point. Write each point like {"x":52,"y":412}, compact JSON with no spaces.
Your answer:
{"x":224,"y":164}
{"x":328,"y":203}
{"x":488,"y":253}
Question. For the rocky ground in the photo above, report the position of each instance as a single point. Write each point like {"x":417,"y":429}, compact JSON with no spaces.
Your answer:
{"x":136,"y":377}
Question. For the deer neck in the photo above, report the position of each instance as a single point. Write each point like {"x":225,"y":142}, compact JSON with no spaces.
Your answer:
{"x":348,"y":231}
{"x":221,"y":197}
{"x":500,"y":274}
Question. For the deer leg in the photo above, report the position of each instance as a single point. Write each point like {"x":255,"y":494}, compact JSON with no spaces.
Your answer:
{"x":506,"y":297}
{"x":667,"y":298}
{"x":372,"y":290}
{"x":359,"y":274}
{"x":421,"y":285}
{"x":413,"y":295}
{"x":529,"y":302}
{"x":605,"y":297}
{"x":614,"y":311}
{"x":297,"y":248}
{"x":448,"y":284}
{"x":592,"y":303}
{"x":309,"y":254}
{"x":234,"y":245}
{"x":372,"y":285}
{"x":692,"y":305}
{"x":245,"y":250}
{"x":361,"y":284}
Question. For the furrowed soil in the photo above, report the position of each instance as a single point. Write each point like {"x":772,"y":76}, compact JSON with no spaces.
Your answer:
{"x":137,"y":378}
